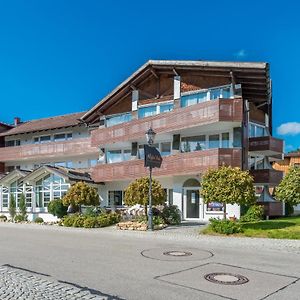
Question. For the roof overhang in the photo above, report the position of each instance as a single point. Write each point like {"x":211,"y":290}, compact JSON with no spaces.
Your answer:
{"x":254,"y":77}
{"x":13,"y":176}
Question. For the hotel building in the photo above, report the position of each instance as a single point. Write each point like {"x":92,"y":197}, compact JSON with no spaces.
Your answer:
{"x":206,"y":114}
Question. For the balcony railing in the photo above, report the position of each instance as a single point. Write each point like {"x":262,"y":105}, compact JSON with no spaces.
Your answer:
{"x":265,"y":145}
{"x":180,"y":118}
{"x":266,"y":177}
{"x":76,"y":147}
{"x":178,"y":164}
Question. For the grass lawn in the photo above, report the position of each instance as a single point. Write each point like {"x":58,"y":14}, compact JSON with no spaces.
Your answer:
{"x":283,"y":228}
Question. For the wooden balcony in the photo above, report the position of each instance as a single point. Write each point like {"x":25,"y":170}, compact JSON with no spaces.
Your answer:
{"x":75,"y":147}
{"x":180,"y":118}
{"x":266,"y":145}
{"x":178,"y":164}
{"x":266,"y":177}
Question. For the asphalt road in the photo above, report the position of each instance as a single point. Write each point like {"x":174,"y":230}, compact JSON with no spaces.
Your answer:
{"x":138,"y":265}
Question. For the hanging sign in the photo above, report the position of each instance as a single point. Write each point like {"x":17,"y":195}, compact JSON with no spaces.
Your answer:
{"x":153,"y":158}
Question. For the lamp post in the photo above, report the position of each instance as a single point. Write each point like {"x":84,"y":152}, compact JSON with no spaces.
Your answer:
{"x":150,"y":135}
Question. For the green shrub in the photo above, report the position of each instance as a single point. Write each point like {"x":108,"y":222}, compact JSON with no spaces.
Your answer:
{"x":79,"y":221}
{"x":157,"y":220}
{"x":225,"y":226}
{"x":3,"y":218}
{"x":141,"y":219}
{"x":12,"y":207}
{"x":39,"y":220}
{"x":172,"y":215}
{"x":253,"y":214}
{"x":69,"y":220}
{"x":22,"y":208}
{"x":102,"y":220}
{"x":19,"y":218}
{"x":56,"y":208}
{"x":90,"y":222}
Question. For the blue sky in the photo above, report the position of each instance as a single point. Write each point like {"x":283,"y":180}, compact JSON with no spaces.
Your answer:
{"x":58,"y":56}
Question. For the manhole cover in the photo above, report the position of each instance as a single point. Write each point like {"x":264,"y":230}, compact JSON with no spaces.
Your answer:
{"x":177,"y":253}
{"x":226,"y":278}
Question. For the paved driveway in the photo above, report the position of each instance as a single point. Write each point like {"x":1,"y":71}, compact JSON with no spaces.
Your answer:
{"x":49,"y":262}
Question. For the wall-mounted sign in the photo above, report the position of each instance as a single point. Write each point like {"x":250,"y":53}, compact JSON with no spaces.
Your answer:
{"x":153,"y":158}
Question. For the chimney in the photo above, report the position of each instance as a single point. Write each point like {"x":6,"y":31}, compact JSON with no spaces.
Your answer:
{"x":17,"y":121}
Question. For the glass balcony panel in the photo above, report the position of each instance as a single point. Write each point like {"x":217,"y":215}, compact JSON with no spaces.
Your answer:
{"x":165,"y":149}
{"x":148,"y":111}
{"x":194,"y":143}
{"x":119,"y":119}
{"x":225,"y":140}
{"x":127,"y":155}
{"x":213,"y":141}
{"x":215,"y":94}
{"x":114,"y":156}
{"x":226,"y":93}
{"x":166,"y":107}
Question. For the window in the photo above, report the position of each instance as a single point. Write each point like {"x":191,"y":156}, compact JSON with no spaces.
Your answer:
{"x":59,"y":137}
{"x":45,"y":139}
{"x":5,"y":195}
{"x":213,"y":141}
{"x":115,"y":198}
{"x":42,"y":139}
{"x":12,"y":143}
{"x":118,"y":119}
{"x":43,"y":187}
{"x":165,"y":149}
{"x":297,"y":165}
{"x":214,"y":206}
{"x":194,"y":143}
{"x":69,"y":136}
{"x":225,"y":140}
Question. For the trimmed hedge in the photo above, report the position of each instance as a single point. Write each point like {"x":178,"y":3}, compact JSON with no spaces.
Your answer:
{"x":225,"y":226}
{"x":86,"y":221}
{"x":39,"y":220}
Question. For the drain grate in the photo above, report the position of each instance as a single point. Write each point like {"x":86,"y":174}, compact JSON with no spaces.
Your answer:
{"x":177,"y":253}
{"x":226,"y":278}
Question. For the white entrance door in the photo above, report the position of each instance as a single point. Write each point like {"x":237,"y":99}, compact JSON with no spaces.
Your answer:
{"x":192,"y":204}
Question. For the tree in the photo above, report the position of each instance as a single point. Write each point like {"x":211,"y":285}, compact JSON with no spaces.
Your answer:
{"x":12,"y":207}
{"x":228,"y":185}
{"x":81,"y":193}
{"x":138,"y":193}
{"x":22,"y":207}
{"x":288,"y":189}
{"x":56,"y":208}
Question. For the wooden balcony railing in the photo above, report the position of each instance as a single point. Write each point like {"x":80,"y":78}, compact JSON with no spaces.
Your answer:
{"x":180,"y":118}
{"x":266,"y":176}
{"x":178,"y":164}
{"x":266,"y":145}
{"x":76,"y":147}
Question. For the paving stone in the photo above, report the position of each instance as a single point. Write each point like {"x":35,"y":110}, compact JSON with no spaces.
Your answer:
{"x":21,"y":284}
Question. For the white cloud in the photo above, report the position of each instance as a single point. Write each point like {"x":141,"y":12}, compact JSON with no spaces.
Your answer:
{"x":241,"y":53}
{"x":290,"y":128}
